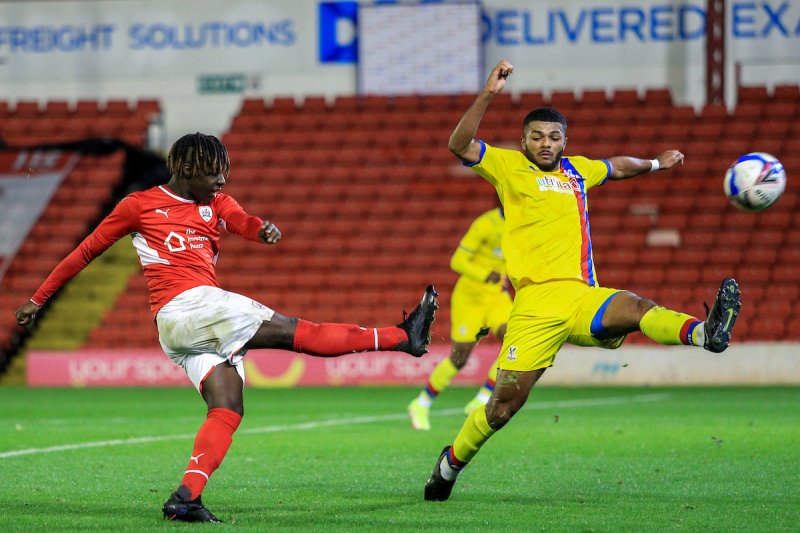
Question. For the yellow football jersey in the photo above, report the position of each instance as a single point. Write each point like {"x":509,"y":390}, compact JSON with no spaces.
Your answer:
{"x":546,"y":235}
{"x":480,"y":252}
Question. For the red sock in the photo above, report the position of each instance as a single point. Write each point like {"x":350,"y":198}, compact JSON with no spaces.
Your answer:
{"x":338,"y":339}
{"x":210,"y":446}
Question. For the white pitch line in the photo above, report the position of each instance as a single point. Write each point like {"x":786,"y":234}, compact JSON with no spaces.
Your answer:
{"x":353,"y":421}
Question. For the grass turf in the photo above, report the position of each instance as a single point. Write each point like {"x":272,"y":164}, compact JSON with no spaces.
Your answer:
{"x":586,"y":459}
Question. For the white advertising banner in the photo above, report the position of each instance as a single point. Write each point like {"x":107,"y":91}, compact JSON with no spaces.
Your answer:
{"x":428,"y":64}
{"x":28,"y":179}
{"x":200,"y":57}
{"x":645,"y":43}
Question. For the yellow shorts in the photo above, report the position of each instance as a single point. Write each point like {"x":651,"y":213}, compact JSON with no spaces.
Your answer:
{"x":545,"y":316}
{"x":474,"y":306}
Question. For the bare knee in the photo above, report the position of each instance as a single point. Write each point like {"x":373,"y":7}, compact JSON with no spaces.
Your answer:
{"x":223,"y":389}
{"x":232,"y":402}
{"x":624,"y":312}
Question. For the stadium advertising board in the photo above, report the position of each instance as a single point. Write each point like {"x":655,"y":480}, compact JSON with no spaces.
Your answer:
{"x":265,"y":368}
{"x":294,"y":45}
{"x":194,"y":55}
{"x":749,"y":364}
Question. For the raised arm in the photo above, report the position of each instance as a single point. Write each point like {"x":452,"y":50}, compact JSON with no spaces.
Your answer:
{"x":462,"y":141}
{"x":624,"y":167}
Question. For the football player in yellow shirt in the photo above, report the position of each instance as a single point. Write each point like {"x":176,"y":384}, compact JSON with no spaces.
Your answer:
{"x":480,"y":303}
{"x":548,"y":251}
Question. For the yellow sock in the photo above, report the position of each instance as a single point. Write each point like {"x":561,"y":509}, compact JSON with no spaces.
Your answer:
{"x":488,"y":386}
{"x":492,"y":374}
{"x":442,"y":375}
{"x":670,"y":327}
{"x":474,"y":433}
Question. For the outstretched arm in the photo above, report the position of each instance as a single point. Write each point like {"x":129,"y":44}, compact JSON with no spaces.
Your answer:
{"x":120,"y":222}
{"x":462,"y":141}
{"x":239,"y":222}
{"x":623,"y":167}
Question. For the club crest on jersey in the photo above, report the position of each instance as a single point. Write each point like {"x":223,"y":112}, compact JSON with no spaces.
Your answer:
{"x":512,"y":353}
{"x":206,"y":213}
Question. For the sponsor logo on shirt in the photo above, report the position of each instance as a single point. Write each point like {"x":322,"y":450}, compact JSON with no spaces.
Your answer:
{"x":175,"y":242}
{"x":552,"y":183}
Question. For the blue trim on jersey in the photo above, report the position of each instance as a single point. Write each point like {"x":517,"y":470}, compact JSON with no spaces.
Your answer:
{"x":502,"y":212}
{"x":480,"y":158}
{"x":589,"y":274}
{"x":608,"y":174}
{"x":596,"y":328}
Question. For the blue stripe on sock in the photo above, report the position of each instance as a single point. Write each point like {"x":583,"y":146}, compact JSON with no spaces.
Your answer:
{"x":690,"y":332}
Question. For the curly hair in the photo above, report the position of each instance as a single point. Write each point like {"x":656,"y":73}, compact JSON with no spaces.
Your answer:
{"x":196,"y":154}
{"x":544,"y":114}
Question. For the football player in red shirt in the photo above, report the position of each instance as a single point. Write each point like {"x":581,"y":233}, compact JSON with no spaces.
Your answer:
{"x":205,"y":329}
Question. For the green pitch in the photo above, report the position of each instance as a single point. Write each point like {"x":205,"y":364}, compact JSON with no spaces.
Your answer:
{"x":581,"y":459}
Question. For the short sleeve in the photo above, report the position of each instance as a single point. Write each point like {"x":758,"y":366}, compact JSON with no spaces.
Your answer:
{"x":493,"y":165}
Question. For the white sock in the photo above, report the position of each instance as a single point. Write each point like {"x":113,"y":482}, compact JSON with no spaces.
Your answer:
{"x":483,"y":397}
{"x":424,"y":400}
{"x":699,"y":334}
{"x":448,"y":472}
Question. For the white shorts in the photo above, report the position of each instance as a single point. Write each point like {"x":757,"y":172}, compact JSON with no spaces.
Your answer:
{"x":205,"y":326}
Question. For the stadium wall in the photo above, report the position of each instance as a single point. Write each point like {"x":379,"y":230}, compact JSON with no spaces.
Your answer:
{"x":741,"y":364}
{"x":199,"y":60}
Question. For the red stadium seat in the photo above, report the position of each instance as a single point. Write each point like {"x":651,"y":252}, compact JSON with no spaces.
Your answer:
{"x":315,"y":104}
{"x":658,"y":98}
{"x":527,"y":101}
{"x":57,"y":109}
{"x":439,"y":102}
{"x":253,"y":106}
{"x":563,"y":100}
{"x":146,"y":107}
{"x":595,"y":99}
{"x":783,"y":93}
{"x":282,"y":105}
{"x":117,"y":108}
{"x":755,"y":95}
{"x":27,"y":108}
{"x":682,"y":275}
{"x":715,"y":112}
{"x":766,"y":328}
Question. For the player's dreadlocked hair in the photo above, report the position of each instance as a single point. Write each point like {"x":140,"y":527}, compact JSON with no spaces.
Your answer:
{"x":195,"y":155}
{"x":544,"y":114}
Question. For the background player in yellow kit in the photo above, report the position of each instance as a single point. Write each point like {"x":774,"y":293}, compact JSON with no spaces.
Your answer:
{"x":548,"y":251}
{"x":480,"y":303}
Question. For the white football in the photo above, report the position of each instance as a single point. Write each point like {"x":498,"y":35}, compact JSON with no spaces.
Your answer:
{"x":755,"y":181}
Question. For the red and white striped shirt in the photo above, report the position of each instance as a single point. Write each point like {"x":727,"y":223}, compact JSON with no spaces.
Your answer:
{"x":177,"y":241}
